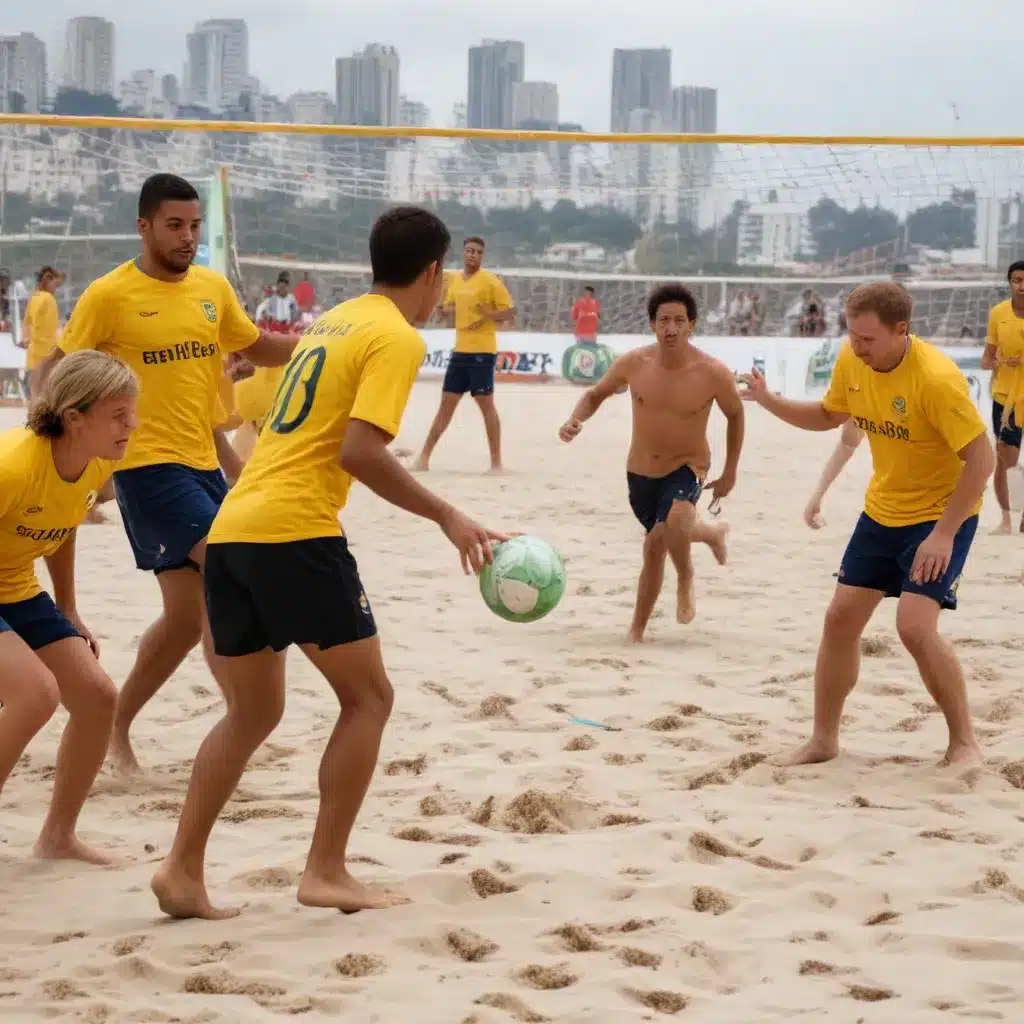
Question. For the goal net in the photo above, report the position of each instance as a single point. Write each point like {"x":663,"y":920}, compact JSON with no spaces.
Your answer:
{"x":761,"y":229}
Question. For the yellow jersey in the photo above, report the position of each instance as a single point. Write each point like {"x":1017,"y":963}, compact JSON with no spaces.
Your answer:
{"x":472,"y":296}
{"x":38,"y":509}
{"x":255,"y":395}
{"x":174,"y":336}
{"x":42,"y":321}
{"x":357,"y":361}
{"x":917,"y":417}
{"x":1006,"y":333}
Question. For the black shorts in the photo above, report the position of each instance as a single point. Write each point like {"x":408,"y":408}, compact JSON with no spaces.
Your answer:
{"x":651,"y":497}
{"x":275,"y":595}
{"x":1011,"y":434}
{"x":470,"y":371}
{"x":38,"y":621}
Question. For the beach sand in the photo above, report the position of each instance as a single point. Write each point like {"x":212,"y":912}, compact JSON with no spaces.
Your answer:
{"x":560,"y":872}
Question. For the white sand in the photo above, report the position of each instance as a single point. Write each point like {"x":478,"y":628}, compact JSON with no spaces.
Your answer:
{"x":745,"y":893}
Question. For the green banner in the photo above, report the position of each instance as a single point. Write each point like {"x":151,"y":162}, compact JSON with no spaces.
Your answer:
{"x":212,"y":251}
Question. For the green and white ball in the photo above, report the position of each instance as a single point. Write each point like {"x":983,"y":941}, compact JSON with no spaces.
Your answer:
{"x":526,"y":580}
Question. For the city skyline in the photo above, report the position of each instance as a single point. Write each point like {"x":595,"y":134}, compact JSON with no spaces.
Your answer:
{"x":765,"y":57}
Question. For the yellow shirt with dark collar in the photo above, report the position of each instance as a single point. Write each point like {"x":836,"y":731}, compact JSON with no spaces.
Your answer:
{"x":174,"y":335}
{"x":917,"y":417}
{"x":38,"y":509}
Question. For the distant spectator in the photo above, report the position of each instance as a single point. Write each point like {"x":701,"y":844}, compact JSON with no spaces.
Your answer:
{"x":586,"y":315}
{"x":279,"y":310}
{"x":305,"y":295}
{"x":812,"y":316}
{"x":966,"y":333}
{"x":5,"y":302}
{"x":744,"y":315}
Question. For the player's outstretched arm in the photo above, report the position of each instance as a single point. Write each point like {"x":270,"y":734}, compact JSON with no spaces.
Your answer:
{"x":364,"y":454}
{"x":803,"y":415}
{"x":615,"y":379}
{"x":849,"y":438}
{"x":271,"y":349}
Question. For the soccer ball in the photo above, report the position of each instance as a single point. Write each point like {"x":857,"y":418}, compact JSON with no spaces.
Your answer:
{"x":526,"y":580}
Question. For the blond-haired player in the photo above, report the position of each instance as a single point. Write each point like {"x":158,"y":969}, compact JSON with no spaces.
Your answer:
{"x":932,"y":460}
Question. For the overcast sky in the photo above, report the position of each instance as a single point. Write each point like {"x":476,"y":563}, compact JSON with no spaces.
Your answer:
{"x":780,"y":66}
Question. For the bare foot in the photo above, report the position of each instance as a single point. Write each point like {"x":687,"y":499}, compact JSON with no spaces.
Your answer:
{"x":347,"y":895}
{"x":1004,"y":529}
{"x":686,"y":607}
{"x":717,"y":542}
{"x":964,"y":755}
{"x":815,"y":752}
{"x":421,"y":465}
{"x":635,"y":635}
{"x":497,"y":470}
{"x":72,"y":848}
{"x":122,"y":758}
{"x":183,"y":897}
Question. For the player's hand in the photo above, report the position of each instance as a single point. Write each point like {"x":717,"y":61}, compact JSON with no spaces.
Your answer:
{"x":76,"y":620}
{"x":812,"y":515}
{"x":239,"y":368}
{"x":1012,"y":361}
{"x":756,"y":386}
{"x":932,"y":558}
{"x":569,"y":429}
{"x":722,"y":487}
{"x":472,"y":540}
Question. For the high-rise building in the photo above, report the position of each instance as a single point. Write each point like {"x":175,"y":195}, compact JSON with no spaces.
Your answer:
{"x":310,"y":108}
{"x":216,"y":63}
{"x":22,"y":73}
{"x":641,"y":80}
{"x":366,"y":87}
{"x":535,"y":102}
{"x":695,"y":109}
{"x":495,"y":68}
{"x":89,"y":55}
{"x":412,"y":113}
{"x":169,"y":90}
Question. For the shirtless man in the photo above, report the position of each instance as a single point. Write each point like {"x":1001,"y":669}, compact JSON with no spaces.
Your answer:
{"x":673,"y":386}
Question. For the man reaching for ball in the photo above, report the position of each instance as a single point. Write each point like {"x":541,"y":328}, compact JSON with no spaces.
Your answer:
{"x":673,"y":386}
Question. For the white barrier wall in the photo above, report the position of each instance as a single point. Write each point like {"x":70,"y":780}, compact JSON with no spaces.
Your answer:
{"x":795,"y":367}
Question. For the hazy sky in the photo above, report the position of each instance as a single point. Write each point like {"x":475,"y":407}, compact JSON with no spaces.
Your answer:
{"x":786,"y":66}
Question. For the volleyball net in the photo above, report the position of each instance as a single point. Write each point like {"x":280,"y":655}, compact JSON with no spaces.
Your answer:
{"x":763,"y":229}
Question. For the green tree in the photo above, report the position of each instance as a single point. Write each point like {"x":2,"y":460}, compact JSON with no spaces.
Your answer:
{"x":946,"y":225}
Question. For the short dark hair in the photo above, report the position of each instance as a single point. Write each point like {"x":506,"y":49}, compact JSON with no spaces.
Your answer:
{"x":44,"y":273}
{"x":589,"y":288}
{"x":889,"y":301}
{"x":404,"y":241}
{"x":671,"y":293}
{"x":1013,"y":268}
{"x":474,"y":240}
{"x":162,"y":188}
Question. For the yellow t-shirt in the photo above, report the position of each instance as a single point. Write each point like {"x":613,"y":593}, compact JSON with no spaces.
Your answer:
{"x":358,"y":361}
{"x":175,"y":337}
{"x":471,"y":296}
{"x":255,"y":395}
{"x":1006,"y":333}
{"x":42,"y":321}
{"x":38,"y":510}
{"x":916,"y":417}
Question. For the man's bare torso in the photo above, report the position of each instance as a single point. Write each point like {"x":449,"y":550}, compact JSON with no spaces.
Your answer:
{"x":670,"y":412}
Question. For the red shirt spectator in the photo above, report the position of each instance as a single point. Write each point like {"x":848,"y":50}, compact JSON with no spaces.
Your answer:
{"x":304,"y":294}
{"x":586,"y":315}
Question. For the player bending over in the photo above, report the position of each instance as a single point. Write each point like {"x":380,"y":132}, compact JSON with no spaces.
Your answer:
{"x":174,"y":324}
{"x":850,"y":436}
{"x":673,"y":386}
{"x":279,"y":571}
{"x":931,"y":461}
{"x":78,"y":428}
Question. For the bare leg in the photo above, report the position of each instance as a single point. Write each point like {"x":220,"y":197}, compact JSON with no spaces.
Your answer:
{"x":917,"y":621}
{"x":835,"y":671}
{"x":449,"y":403}
{"x":162,"y":648}
{"x":1006,"y":458}
{"x":648,"y":587}
{"x":28,"y":699}
{"x":683,"y":528}
{"x":357,"y":675}
{"x":90,"y":697}
{"x":253,"y":689}
{"x":492,"y":425}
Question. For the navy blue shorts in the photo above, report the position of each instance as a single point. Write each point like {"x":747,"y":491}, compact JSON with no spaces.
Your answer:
{"x":1010,"y":434}
{"x":651,"y":497}
{"x":880,"y":558}
{"x":470,"y":371}
{"x":38,"y":621}
{"x":167,"y":510}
